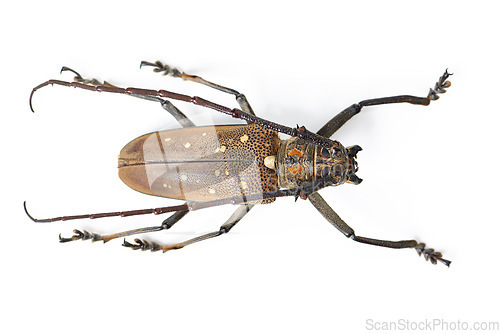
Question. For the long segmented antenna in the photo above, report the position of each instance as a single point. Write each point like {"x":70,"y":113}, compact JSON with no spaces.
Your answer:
{"x":156,"y":211}
{"x":301,"y":192}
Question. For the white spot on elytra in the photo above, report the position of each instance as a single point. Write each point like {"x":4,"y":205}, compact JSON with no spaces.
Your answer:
{"x":244,"y":185}
{"x":212,"y":191}
{"x":165,"y":185}
{"x":184,"y":177}
{"x":168,"y":139}
{"x":217,"y":172}
{"x":187,"y":145}
{"x":204,"y":134}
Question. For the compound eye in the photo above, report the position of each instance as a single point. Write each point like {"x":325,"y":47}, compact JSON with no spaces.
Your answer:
{"x":325,"y":153}
{"x":325,"y":171}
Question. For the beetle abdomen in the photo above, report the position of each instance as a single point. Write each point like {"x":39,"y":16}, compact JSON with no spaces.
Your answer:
{"x":201,"y":163}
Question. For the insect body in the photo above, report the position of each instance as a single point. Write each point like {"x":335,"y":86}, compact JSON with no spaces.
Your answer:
{"x":210,"y":163}
{"x":234,"y":164}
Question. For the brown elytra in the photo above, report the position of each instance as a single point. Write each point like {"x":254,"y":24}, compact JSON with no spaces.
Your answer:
{"x":201,"y":163}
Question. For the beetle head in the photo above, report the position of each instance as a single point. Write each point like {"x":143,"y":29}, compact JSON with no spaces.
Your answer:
{"x":338,"y":165}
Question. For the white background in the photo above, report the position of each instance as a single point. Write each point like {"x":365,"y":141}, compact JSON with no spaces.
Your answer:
{"x":430,"y":173}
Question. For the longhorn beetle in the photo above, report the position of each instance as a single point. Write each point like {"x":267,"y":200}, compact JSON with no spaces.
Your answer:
{"x":242,"y":165}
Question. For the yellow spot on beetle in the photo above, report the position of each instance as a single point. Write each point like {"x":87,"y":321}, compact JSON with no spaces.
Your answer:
{"x":223,"y":148}
{"x":244,"y":138}
{"x":212,"y":191}
{"x":270,"y":162}
{"x":168,"y":139}
{"x":244,"y":185}
{"x":184,"y":177}
{"x":217,"y":172}
{"x":187,"y":145}
{"x":204,"y":134}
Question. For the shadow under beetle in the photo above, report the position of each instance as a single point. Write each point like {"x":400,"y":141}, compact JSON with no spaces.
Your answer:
{"x":233,"y":164}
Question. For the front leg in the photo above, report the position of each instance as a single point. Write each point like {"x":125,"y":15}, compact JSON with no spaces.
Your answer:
{"x":326,"y":211}
{"x":183,"y":120}
{"x":341,"y":118}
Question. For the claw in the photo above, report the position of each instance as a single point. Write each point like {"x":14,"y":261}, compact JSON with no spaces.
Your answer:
{"x":79,"y":235}
{"x":76,"y":236}
{"x":430,"y":254}
{"x":128,"y":244}
{"x":64,"y":68}
{"x":61,"y":239}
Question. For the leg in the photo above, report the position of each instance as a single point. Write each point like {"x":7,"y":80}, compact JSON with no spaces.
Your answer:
{"x":336,"y":123}
{"x":167,"y":70}
{"x":183,"y":120}
{"x":167,"y":223}
{"x":332,"y":217}
{"x":228,"y":225}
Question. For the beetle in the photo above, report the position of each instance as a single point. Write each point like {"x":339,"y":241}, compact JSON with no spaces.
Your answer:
{"x":242,"y":165}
